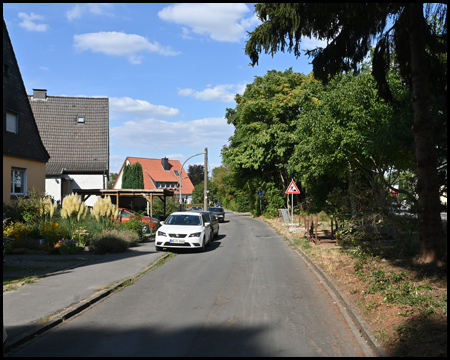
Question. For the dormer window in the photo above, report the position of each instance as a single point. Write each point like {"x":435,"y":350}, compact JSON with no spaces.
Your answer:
{"x":80,"y":119}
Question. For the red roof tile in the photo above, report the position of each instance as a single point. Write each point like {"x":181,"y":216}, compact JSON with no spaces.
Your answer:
{"x":154,"y":172}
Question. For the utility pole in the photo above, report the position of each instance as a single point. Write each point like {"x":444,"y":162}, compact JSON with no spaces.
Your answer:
{"x":205,"y":182}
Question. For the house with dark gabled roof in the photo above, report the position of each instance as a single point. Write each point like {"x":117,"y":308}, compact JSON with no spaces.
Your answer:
{"x":160,"y":174}
{"x":24,"y":154}
{"x":75,"y":131}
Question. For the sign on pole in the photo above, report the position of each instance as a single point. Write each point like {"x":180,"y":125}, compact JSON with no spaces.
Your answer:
{"x":292,"y":189}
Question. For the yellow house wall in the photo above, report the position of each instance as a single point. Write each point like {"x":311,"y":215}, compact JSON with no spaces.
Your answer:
{"x":35,"y":176}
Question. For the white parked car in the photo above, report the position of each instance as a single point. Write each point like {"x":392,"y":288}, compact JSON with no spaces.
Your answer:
{"x":184,"y":230}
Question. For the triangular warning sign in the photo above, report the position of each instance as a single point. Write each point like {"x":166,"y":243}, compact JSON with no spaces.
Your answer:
{"x":292,"y":189}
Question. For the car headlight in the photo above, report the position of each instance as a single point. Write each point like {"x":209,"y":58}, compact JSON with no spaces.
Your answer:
{"x":195,"y":234}
{"x":161,"y":233}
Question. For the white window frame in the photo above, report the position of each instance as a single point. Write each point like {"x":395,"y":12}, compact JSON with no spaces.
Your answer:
{"x":23,"y":181}
{"x":12,"y":123}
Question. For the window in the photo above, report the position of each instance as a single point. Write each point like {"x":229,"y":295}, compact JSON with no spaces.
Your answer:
{"x":18,"y":181}
{"x":80,"y":119}
{"x":11,"y":122}
{"x":176,"y":173}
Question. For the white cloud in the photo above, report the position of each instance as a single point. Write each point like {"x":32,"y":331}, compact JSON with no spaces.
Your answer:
{"x":140,"y":108}
{"x":119,"y":44}
{"x":29,"y":22}
{"x":225,"y":93}
{"x":150,"y":134}
{"x":79,"y":10}
{"x":221,"y":22}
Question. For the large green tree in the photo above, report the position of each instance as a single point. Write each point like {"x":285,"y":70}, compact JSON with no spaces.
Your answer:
{"x":265,"y":121}
{"x":350,"y":134}
{"x":350,"y":29}
{"x":133,"y":177}
{"x":196,"y":174}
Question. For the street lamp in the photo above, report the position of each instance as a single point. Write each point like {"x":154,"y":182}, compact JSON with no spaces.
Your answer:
{"x":181,"y":170}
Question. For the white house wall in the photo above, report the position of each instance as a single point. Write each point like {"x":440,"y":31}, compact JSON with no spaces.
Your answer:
{"x":53,"y":186}
{"x":88,"y":182}
{"x":53,"y":189}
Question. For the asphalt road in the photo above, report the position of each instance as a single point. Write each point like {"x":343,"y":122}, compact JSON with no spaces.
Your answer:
{"x":249,"y":294}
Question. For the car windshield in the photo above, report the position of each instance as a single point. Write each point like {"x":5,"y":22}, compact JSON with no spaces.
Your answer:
{"x":183,"y":220}
{"x":215,"y":209}
{"x":207,"y":216}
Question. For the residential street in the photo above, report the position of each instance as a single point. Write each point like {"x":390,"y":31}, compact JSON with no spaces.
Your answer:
{"x":248,"y":294}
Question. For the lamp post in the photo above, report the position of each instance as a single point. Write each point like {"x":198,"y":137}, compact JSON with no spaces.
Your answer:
{"x":181,"y":170}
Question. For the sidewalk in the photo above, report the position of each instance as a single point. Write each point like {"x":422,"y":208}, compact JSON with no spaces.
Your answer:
{"x":27,"y":310}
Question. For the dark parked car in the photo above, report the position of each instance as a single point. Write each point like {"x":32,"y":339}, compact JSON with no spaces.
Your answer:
{"x":209,"y":215}
{"x":219,"y":212}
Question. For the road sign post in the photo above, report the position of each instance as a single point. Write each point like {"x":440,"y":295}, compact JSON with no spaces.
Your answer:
{"x":292,"y":189}
{"x":260,"y":193}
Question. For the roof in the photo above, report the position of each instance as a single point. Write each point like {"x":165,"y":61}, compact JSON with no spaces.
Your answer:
{"x":26,"y":143}
{"x":74,"y":147}
{"x":154,"y":172}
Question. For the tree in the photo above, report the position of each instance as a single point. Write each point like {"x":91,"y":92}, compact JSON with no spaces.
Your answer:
{"x":265,"y":122}
{"x":350,"y":29}
{"x":196,"y":174}
{"x":133,"y":177}
{"x":350,"y":134}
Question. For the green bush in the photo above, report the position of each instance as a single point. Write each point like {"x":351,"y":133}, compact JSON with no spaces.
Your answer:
{"x":109,"y":241}
{"x":136,"y":224}
{"x":130,"y":236}
{"x":67,"y":246}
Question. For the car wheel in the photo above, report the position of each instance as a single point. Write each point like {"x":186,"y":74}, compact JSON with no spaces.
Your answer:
{"x":211,"y":238}
{"x":203,"y":245}
{"x":158,"y":248}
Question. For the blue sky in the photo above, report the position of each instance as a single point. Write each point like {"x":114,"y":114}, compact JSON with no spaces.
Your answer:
{"x":169,"y":70}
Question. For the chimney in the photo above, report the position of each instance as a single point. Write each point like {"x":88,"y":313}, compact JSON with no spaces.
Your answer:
{"x":165,"y":163}
{"x":39,"y":94}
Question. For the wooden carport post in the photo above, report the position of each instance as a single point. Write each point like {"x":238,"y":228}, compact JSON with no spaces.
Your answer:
{"x":151,"y":211}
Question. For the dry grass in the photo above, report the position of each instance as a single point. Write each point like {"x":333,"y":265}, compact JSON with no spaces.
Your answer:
{"x":404,"y":304}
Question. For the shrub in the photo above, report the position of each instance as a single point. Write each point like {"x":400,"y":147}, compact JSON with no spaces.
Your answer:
{"x":15,"y":230}
{"x":130,"y":236}
{"x":66,"y":246}
{"x":73,"y":208}
{"x":30,"y":206}
{"x":46,"y":208}
{"x":52,"y":232}
{"x":136,"y":224}
{"x":109,"y":241}
{"x":81,"y":235}
{"x":8,"y":244}
{"x":104,"y":209}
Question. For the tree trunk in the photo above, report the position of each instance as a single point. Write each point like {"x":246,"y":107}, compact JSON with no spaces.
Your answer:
{"x":431,"y":236}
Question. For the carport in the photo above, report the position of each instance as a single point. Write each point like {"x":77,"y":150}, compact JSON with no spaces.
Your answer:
{"x":116,"y":195}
